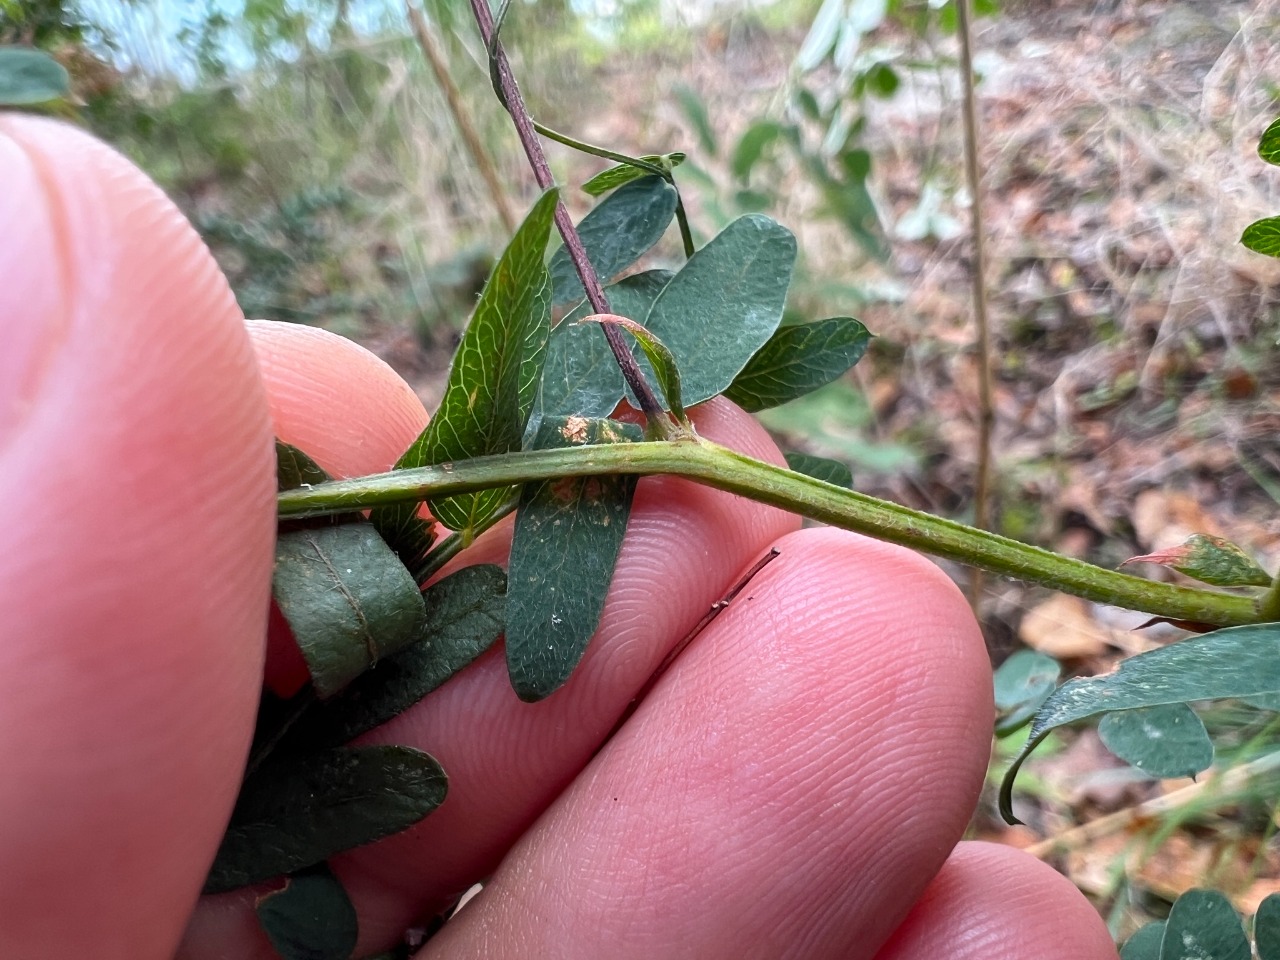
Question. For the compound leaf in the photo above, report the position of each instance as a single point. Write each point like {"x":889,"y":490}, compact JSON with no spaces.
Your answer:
{"x":615,"y":233}
{"x":798,"y":359}
{"x":494,"y":378}
{"x":821,"y":468}
{"x":1168,"y":740}
{"x":297,"y":811}
{"x":465,"y":613}
{"x":725,"y":303}
{"x":581,"y":376}
{"x":1204,"y":926}
{"x":1022,"y":683}
{"x":311,"y":917}
{"x":624,"y":173}
{"x":567,"y":538}
{"x":29,"y":77}
{"x":348,"y":600}
{"x":1236,"y":662}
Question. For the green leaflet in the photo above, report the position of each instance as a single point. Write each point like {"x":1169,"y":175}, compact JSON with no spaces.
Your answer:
{"x":615,"y":233}
{"x":751,"y":147}
{"x":1263,"y":236}
{"x":1269,"y":144}
{"x":581,"y":376}
{"x":1145,"y":944}
{"x":725,"y":303}
{"x":1210,"y":560}
{"x":1204,"y":926}
{"x":464,"y":616}
{"x":798,"y":359}
{"x":567,"y":539}
{"x":1266,"y":928}
{"x":295,"y":469}
{"x":1236,"y":662}
{"x":311,"y":918}
{"x":1168,"y":740}
{"x":1022,"y":683}
{"x":624,"y":173}
{"x":30,"y":77}
{"x":348,"y":599}
{"x":821,"y":468}
{"x":295,"y":812}
{"x":661,"y":362}
{"x":494,"y":377}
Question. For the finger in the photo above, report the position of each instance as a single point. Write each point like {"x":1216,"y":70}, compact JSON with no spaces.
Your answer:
{"x":507,"y":760}
{"x":137,"y":474}
{"x":787,"y":789}
{"x":344,"y":408}
{"x":996,"y":903}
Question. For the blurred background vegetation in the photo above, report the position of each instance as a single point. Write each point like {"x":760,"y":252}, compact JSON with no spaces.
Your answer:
{"x":1137,"y":397}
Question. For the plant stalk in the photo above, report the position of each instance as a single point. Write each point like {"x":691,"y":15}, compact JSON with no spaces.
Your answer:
{"x":981,"y":320}
{"x":724,"y":469}
{"x":514,"y":102}
{"x":453,"y":99}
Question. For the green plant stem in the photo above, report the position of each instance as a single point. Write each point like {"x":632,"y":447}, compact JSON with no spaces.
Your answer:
{"x":719,"y":467}
{"x":455,"y":543}
{"x":1269,"y":603}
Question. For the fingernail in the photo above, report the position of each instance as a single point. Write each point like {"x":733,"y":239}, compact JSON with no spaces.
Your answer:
{"x":34,"y":313}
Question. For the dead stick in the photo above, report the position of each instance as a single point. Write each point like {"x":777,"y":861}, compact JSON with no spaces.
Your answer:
{"x":986,"y":411}
{"x":453,"y":98}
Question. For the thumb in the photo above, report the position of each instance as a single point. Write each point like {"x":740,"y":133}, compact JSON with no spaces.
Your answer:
{"x":136,"y":469}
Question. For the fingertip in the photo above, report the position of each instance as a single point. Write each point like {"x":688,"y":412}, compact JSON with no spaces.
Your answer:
{"x":136,"y":465}
{"x":333,"y":399}
{"x":990,"y":902}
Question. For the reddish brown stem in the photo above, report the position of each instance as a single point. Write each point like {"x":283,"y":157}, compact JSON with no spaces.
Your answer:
{"x":514,"y":102}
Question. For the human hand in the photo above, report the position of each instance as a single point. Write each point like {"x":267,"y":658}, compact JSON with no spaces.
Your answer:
{"x":790,"y":787}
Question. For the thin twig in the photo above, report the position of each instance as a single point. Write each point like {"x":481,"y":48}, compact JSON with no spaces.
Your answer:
{"x":475,"y":146}
{"x":515,"y":105}
{"x":986,"y":412}
{"x":714,"y":611}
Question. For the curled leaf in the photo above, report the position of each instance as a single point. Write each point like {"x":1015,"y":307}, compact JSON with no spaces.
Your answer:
{"x":1237,"y":662}
{"x":464,"y":616}
{"x":348,"y":599}
{"x":660,"y":359}
{"x":624,"y":173}
{"x":1210,"y":560}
